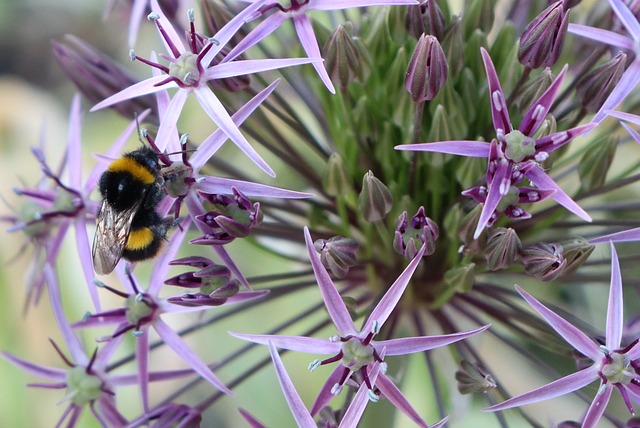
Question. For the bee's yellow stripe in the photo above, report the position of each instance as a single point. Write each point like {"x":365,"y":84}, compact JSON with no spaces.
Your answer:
{"x":139,"y":239}
{"x":134,"y":168}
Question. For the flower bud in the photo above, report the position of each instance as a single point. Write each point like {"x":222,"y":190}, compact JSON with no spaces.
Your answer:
{"x":542,"y":40}
{"x":595,"y":163}
{"x":335,"y":180}
{"x":453,"y":46}
{"x":342,"y":58}
{"x":375,"y":200}
{"x":411,"y":235}
{"x":576,"y":252}
{"x":478,"y":15}
{"x":98,"y":77}
{"x":462,"y":278}
{"x":337,"y":254}
{"x":467,"y":230}
{"x":533,"y":89}
{"x":594,"y":87}
{"x":472,"y":379}
{"x":434,"y":23}
{"x":503,"y":248}
{"x":229,"y":218}
{"x":427,"y":70}
{"x":544,"y":261}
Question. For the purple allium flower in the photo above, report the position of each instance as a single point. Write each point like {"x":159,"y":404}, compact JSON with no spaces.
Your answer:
{"x":515,"y":154}
{"x":297,"y":11}
{"x":631,"y":76}
{"x":615,"y":364}
{"x":190,"y":69}
{"x":356,"y":350}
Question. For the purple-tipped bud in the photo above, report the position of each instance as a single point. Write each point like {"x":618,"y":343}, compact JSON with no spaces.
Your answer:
{"x":228,"y":218}
{"x":542,"y":40}
{"x":342,"y":58}
{"x":576,"y":251}
{"x":427,"y":70}
{"x":472,"y":379}
{"x":337,"y":254}
{"x":544,"y":261}
{"x":503,"y":248}
{"x":98,"y":77}
{"x":375,"y":200}
{"x":411,"y":235}
{"x":213,"y":281}
{"x":595,"y":86}
{"x":434,"y":23}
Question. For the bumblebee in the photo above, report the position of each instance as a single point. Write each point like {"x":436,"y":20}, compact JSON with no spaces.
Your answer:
{"x":128,"y":225}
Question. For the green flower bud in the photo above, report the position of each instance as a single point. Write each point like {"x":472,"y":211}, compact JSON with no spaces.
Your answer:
{"x":461,"y":278}
{"x":596,"y":161}
{"x":342,"y":58}
{"x":534,"y":88}
{"x":469,"y":225}
{"x":441,"y":126}
{"x":478,"y":14}
{"x":576,"y":252}
{"x":453,"y":46}
{"x":335,"y":180}
{"x":375,"y":199}
{"x":594,"y":87}
{"x":427,"y":70}
{"x":544,"y":261}
{"x":542,"y":40}
{"x":472,"y":379}
{"x":503,"y":248}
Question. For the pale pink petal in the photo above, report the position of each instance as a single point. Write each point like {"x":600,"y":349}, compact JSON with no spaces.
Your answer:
{"x":310,"y":45}
{"x":410,"y":345}
{"x":476,"y":149}
{"x":308,"y":345}
{"x":627,"y":18}
{"x":397,"y":398}
{"x":615,"y":322}
{"x":147,"y":86}
{"x":600,"y":35}
{"x":598,"y":405}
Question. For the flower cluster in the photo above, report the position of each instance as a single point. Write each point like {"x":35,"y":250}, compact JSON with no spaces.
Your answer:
{"x":323,"y":230}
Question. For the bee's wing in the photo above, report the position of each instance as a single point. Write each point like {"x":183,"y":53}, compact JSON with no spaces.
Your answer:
{"x":112,"y":231}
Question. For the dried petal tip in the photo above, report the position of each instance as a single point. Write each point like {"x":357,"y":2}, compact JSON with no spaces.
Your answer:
{"x":472,"y":379}
{"x":427,"y":70}
{"x":411,"y":235}
{"x":375,"y":200}
{"x":542,"y":40}
{"x":503,"y":248}
{"x":342,"y":57}
{"x":544,"y":261}
{"x":595,"y":86}
{"x":337,"y":254}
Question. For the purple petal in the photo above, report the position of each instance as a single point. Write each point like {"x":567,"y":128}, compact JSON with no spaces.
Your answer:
{"x":214,"y":141}
{"x":310,"y":45}
{"x":600,"y":35}
{"x":387,"y":304}
{"x":308,"y":345}
{"x":543,"y":181}
{"x":598,"y":405}
{"x":496,"y":191}
{"x":56,"y":375}
{"x":633,"y":118}
{"x":554,"y":141}
{"x":168,"y":128}
{"x":325,"y":395}
{"x":137,"y":12}
{"x":538,"y":111}
{"x":250,"y":419}
{"x":476,"y":149}
{"x":84,"y":255}
{"x":262,"y":30}
{"x":332,"y":299}
{"x":346,"y":4}
{"x":250,"y":66}
{"x":554,"y":389}
{"x":298,"y":409}
{"x":219,"y":185}
{"x":175,"y":342}
{"x":161,"y":270}
{"x":615,"y":322}
{"x":397,"y":398}
{"x":70,"y":339}
{"x":74,"y":151}
{"x":142,"y":366}
{"x":168,"y":28}
{"x":214,"y":108}
{"x":499,"y":111}
{"x":630,"y":235}
{"x":225,"y":34}
{"x":355,"y":410}
{"x":410,"y":345}
{"x":568,"y":331}
{"x":147,"y":86}
{"x":627,"y":18}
